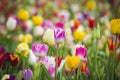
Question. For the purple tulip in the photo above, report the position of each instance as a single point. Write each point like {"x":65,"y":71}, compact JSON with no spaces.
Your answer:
{"x":81,"y":51}
{"x":12,"y":77}
{"x":2,"y":49}
{"x":40,"y":49}
{"x":27,"y":74}
{"x":59,"y":35}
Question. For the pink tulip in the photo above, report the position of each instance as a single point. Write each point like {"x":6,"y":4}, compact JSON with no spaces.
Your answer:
{"x":40,"y":49}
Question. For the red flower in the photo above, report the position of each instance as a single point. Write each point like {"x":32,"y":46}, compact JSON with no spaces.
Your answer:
{"x":2,"y":56}
{"x":59,"y":61}
{"x":14,"y":58}
{"x":111,"y":45}
{"x":91,"y":22}
{"x":76,"y":24}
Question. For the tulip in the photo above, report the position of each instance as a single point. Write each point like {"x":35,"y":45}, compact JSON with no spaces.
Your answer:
{"x":48,"y":24}
{"x":48,"y":37}
{"x":2,"y":49}
{"x":26,"y":38}
{"x":91,"y":22}
{"x":60,"y":64}
{"x":12,"y":77}
{"x":37,"y":20}
{"x":23,"y":14}
{"x":91,"y":4}
{"x":81,"y":52}
{"x":49,"y":63}
{"x":27,"y":74}
{"x":115,"y":26}
{"x":32,"y":58}
{"x":40,"y":49}
{"x":38,"y":31}
{"x":5,"y":77}
{"x":59,"y":25}
{"x":11,"y":23}
{"x":14,"y":58}
{"x":59,"y":35}
{"x":72,"y":62}
{"x":64,"y":15}
{"x":79,"y":35}
{"x":23,"y":49}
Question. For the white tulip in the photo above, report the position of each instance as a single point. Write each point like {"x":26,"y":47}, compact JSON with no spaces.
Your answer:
{"x":48,"y":37}
{"x":38,"y":31}
{"x":32,"y":58}
{"x":11,"y":24}
{"x":5,"y":77}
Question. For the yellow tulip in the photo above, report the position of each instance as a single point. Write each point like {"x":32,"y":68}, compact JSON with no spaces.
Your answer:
{"x":23,"y":14}
{"x":91,"y":4}
{"x":72,"y":62}
{"x":26,"y":38}
{"x":37,"y":20}
{"x":115,"y":26}
{"x":79,"y":35}
{"x":23,"y":49}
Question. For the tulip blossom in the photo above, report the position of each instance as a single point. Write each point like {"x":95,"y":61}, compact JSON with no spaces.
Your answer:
{"x":49,"y":63}
{"x":14,"y":58}
{"x":26,"y":38}
{"x":40,"y":49}
{"x":48,"y":24}
{"x":32,"y":58}
{"x":91,"y":22}
{"x":81,"y":51}
{"x":37,"y":20}
{"x":59,"y":34}
{"x":60,"y":64}
{"x":48,"y":37}
{"x":23,"y":14}
{"x":60,"y":25}
{"x":27,"y":74}
{"x":38,"y":31}
{"x":23,"y":49}
{"x":11,"y":23}
{"x":111,"y":45}
{"x":72,"y":62}
{"x":115,"y":26}
{"x":5,"y":77}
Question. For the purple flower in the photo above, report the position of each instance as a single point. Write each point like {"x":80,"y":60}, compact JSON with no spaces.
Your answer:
{"x":59,"y":34}
{"x":2,"y":49}
{"x":81,"y":51}
{"x":40,"y":49}
{"x":27,"y":74}
{"x":12,"y":77}
{"x":59,"y":24}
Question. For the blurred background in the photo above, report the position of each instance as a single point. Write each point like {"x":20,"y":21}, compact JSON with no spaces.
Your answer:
{"x":48,"y":7}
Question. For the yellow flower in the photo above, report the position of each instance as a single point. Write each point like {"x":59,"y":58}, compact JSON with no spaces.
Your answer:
{"x":23,"y":14}
{"x":72,"y":62}
{"x":23,"y":48}
{"x":115,"y":26}
{"x":37,"y":20}
{"x":79,"y":35}
{"x":26,"y":38}
{"x":91,"y":4}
